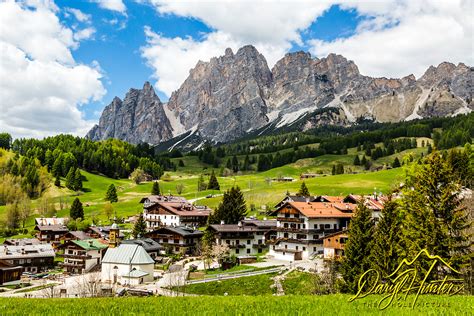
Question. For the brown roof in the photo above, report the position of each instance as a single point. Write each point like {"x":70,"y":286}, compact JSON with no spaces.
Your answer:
{"x":185,"y":209}
{"x":318,"y":209}
{"x":329,"y":198}
{"x":55,"y":228}
{"x":343,"y":232}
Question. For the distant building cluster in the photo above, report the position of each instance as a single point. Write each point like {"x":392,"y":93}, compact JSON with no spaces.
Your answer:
{"x":302,"y":228}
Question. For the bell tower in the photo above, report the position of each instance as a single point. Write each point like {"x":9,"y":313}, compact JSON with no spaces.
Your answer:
{"x":114,"y":235}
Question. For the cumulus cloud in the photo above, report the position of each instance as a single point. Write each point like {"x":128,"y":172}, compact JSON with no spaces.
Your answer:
{"x":404,"y":37}
{"x":84,"y":34}
{"x":42,"y":86}
{"x":79,"y":15}
{"x":113,"y":5}
{"x":393,"y":39}
{"x":272,"y":27}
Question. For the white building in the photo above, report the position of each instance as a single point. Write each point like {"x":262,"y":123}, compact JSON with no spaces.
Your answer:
{"x":301,"y":227}
{"x":247,"y":238}
{"x":127,"y":264}
{"x":159,"y":210}
{"x":81,"y":256}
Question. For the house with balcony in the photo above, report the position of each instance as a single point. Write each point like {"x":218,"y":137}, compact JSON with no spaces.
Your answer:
{"x":33,"y":258}
{"x":81,"y":256}
{"x":173,"y":211}
{"x":50,"y":234}
{"x":301,"y":227}
{"x":177,"y":240}
{"x":247,"y":238}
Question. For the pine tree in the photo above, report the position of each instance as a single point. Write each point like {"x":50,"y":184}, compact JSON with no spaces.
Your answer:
{"x":357,"y":251}
{"x":213,"y":183}
{"x":386,"y":241}
{"x":77,"y":180}
{"x":232,"y":209}
{"x":155,"y":189}
{"x":77,"y":211}
{"x":57,"y":167}
{"x":235,"y":164}
{"x":201,"y":184}
{"x":139,"y":229}
{"x":396,"y":163}
{"x":303,"y":190}
{"x":435,"y":219}
{"x":246,"y":163}
{"x":57,"y":182}
{"x":333,"y":171}
{"x":70,"y":178}
{"x":356,"y":161}
{"x":111,"y":194}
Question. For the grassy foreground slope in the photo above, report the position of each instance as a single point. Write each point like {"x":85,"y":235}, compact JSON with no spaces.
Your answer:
{"x":245,"y":305}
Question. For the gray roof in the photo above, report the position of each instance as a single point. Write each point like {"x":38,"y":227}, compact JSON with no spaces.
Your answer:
{"x":26,"y":251}
{"x":181,"y":230}
{"x":21,"y":242}
{"x":134,"y":274}
{"x":127,"y":254}
{"x":54,"y":228}
{"x":147,"y":243}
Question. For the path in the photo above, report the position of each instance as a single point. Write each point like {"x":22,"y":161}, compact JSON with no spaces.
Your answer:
{"x":220,"y":277}
{"x":277,"y":282}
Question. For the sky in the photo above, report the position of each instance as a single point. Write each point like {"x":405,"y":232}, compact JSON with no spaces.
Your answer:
{"x":62,"y":62}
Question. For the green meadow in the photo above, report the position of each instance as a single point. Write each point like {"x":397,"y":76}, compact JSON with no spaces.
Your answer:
{"x":336,"y":304}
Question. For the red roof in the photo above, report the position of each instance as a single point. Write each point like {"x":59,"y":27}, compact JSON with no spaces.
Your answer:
{"x":321,"y":209}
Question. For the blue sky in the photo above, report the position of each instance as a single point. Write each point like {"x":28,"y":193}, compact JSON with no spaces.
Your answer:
{"x":66,"y":60}
{"x":117,"y":48}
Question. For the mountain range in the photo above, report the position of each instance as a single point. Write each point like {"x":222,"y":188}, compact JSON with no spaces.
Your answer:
{"x":237,"y":94}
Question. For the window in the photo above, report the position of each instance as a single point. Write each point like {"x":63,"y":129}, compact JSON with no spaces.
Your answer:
{"x":287,"y":215}
{"x":165,"y":239}
{"x":259,"y":250}
{"x":315,"y":236}
{"x":304,"y":248}
{"x":321,"y":226}
{"x":327,"y":226}
{"x":296,"y":247}
{"x":248,"y":250}
{"x":176,"y":241}
{"x":335,"y":226}
{"x":315,"y":226}
{"x":227,"y":241}
{"x":237,"y":242}
{"x":248,"y":242}
{"x":329,"y":239}
{"x":285,"y":235}
{"x":237,"y":250}
{"x":286,"y":246}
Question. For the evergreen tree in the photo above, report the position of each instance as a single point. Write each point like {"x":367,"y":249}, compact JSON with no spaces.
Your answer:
{"x":303,"y":190}
{"x":396,"y":163}
{"x":235,"y":164}
{"x":333,"y":171}
{"x":181,"y":163}
{"x":356,"y":161}
{"x":357,"y":251}
{"x":77,"y":211}
{"x":246,"y":166}
{"x":139,"y":229}
{"x":155,"y":189}
{"x":435,"y":219}
{"x":232,"y":209}
{"x":70,"y":179}
{"x":213,"y":183}
{"x":57,"y":167}
{"x":339,"y":168}
{"x":57,"y":182}
{"x":385,"y":247}
{"x":111,"y":194}
{"x":77,"y":180}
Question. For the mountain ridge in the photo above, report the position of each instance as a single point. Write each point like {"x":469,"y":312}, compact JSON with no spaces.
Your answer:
{"x":236,"y":93}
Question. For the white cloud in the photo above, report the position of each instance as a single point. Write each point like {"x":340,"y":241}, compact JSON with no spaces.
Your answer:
{"x":79,"y":15}
{"x":113,"y":5}
{"x":84,"y":34}
{"x":405,"y":37}
{"x":42,"y":86}
{"x":272,"y":27}
{"x":395,"y":38}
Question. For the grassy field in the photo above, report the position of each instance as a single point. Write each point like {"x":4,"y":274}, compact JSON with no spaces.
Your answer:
{"x":243,"y":305}
{"x":299,"y":283}
{"x":252,"y":285}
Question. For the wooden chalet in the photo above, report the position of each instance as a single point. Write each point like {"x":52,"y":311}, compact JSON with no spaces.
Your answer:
{"x":81,"y":256}
{"x":9,"y":273}
{"x":33,"y":258}
{"x":334,"y":244}
{"x":181,"y":239}
{"x":50,"y":234}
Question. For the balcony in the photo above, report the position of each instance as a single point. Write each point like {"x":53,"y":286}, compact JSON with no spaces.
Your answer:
{"x":287,"y":250}
{"x":290,"y":219}
{"x":85,"y":257}
{"x":259,"y":246}
{"x":236,"y":246}
{"x":72,"y":265}
{"x":300,"y":241}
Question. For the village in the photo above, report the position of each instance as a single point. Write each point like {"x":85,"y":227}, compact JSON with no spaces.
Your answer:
{"x":301,"y":232}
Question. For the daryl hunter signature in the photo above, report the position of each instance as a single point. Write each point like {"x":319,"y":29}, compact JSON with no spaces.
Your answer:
{"x":403,"y":282}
